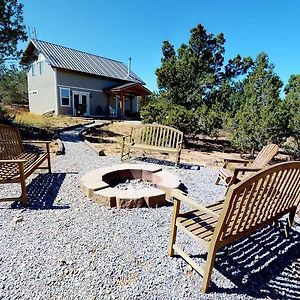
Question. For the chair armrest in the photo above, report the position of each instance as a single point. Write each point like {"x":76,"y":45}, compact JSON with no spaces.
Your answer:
{"x":236,"y":160}
{"x":178,"y":195}
{"x":12,"y":161}
{"x":243,"y":170}
{"x":227,"y":161}
{"x":246,"y":169}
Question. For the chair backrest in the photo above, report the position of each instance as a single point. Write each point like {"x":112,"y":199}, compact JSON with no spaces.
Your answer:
{"x":263,"y":157}
{"x":10,"y":142}
{"x":259,"y":200}
{"x":112,"y":111}
{"x":156,"y":135}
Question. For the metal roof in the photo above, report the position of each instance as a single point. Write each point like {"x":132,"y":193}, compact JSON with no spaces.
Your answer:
{"x":131,"y":87}
{"x":75,"y":60}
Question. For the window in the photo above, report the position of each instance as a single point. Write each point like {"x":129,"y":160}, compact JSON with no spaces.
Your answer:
{"x":33,"y":69}
{"x":65,"y":97}
{"x":41,"y":67}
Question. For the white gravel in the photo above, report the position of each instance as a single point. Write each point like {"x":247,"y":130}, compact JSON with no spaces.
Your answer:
{"x":66,"y":247}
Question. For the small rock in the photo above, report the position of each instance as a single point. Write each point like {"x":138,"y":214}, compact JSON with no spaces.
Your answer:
{"x":18,"y":219}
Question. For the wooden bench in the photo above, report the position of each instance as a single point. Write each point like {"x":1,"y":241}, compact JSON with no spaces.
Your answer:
{"x":16,"y":164}
{"x":238,"y":173}
{"x":151,"y":137}
{"x":251,"y":204}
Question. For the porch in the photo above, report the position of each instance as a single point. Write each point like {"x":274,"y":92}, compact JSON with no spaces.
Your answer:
{"x":124,"y":101}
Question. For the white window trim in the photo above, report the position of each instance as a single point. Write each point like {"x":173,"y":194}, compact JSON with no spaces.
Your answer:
{"x":33,"y":67}
{"x":60,"y":96}
{"x":41,"y":67}
{"x":88,"y":99}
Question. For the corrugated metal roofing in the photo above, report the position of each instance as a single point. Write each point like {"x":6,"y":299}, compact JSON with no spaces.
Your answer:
{"x":75,"y":60}
{"x":129,"y":86}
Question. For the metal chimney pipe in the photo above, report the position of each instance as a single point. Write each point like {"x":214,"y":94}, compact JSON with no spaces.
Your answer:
{"x":129,"y":66}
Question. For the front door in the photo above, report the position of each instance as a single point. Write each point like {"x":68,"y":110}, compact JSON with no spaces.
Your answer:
{"x":81,"y":104}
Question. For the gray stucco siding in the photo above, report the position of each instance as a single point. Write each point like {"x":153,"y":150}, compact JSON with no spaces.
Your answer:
{"x":83,"y":83}
{"x":41,"y":89}
{"x":98,"y":103}
{"x":76,"y":79}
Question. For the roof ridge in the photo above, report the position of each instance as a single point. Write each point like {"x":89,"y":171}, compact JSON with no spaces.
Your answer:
{"x":79,"y":51}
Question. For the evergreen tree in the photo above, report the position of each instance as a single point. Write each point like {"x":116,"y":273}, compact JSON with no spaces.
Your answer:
{"x":196,"y":73}
{"x":195,"y":82}
{"x":12,"y":29}
{"x":257,"y":120}
{"x":13,"y":87}
{"x":291,"y":112}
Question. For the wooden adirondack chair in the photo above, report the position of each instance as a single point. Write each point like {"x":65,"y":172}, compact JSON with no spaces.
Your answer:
{"x":16,"y":164}
{"x":262,"y":159}
{"x":253,"y":203}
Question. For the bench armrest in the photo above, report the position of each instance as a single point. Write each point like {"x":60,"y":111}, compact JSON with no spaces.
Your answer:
{"x":126,"y":136}
{"x":178,"y":195}
{"x":12,"y":161}
{"x":36,"y":142}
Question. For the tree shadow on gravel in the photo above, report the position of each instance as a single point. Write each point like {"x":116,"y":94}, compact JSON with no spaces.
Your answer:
{"x":168,"y":163}
{"x":42,"y":192}
{"x":264,"y":265}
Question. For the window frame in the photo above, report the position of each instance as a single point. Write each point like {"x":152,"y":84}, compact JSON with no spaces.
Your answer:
{"x":33,"y":70}
{"x":60,"y":96}
{"x":41,"y":67}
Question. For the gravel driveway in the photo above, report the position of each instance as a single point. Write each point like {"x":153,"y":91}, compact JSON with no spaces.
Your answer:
{"x":66,"y":247}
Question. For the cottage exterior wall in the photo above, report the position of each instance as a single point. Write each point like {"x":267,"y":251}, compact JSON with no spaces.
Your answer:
{"x":41,"y":87}
{"x":92,"y":85}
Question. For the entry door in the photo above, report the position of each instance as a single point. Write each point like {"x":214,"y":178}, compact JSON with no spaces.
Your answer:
{"x":81,"y":104}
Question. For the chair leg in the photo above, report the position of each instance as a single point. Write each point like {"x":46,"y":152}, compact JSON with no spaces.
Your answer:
{"x":218,"y":180}
{"x":290,"y":222}
{"x":208,"y":270}
{"x":176,"y":208}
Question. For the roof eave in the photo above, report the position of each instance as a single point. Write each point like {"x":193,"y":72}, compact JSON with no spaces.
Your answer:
{"x":26,"y":56}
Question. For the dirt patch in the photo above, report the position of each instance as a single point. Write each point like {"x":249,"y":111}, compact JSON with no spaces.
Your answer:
{"x":200,"y":151}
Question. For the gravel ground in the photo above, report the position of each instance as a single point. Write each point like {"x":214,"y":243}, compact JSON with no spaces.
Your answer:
{"x":66,"y":247}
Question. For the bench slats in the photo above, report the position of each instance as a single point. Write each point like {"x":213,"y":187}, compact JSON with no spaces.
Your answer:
{"x":255,"y":202}
{"x":11,"y":148}
{"x":157,"y":138}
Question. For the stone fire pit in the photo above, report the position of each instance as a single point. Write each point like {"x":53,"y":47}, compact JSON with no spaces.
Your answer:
{"x":100,"y":185}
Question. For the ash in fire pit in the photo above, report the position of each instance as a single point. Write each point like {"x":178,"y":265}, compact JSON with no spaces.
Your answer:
{"x":129,"y":185}
{"x":135,"y":184}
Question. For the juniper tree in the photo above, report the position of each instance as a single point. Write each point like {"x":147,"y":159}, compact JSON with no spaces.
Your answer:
{"x":257,"y":120}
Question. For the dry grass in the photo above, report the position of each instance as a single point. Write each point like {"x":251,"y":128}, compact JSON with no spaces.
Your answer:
{"x":24,"y":117}
{"x":109,"y":139}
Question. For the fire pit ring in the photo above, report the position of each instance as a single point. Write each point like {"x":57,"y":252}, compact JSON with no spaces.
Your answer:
{"x":100,"y":184}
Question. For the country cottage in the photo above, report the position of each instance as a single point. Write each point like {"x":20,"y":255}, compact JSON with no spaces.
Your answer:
{"x":71,"y":82}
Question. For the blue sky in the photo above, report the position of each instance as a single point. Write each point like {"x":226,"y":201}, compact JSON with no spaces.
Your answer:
{"x":121,"y":29}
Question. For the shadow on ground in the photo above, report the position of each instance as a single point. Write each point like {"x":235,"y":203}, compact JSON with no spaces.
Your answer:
{"x":209,"y":145}
{"x":264,"y":265}
{"x":42,"y":192}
